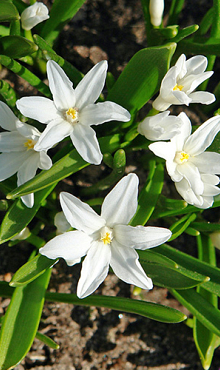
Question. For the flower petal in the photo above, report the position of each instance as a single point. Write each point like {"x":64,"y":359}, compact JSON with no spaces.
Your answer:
{"x":94,"y":269}
{"x":163,"y":150}
{"x":12,"y":142}
{"x":71,"y":246}
{"x":80,"y":215}
{"x":90,"y":87}
{"x":95,"y":114}
{"x":196,"y":65}
{"x":7,"y":118}
{"x":38,"y":108}
{"x":120,"y":205}
{"x":27,"y":131}
{"x":192,"y":175}
{"x":10,"y":163}
{"x":61,"y":87}
{"x":45,"y":163}
{"x":203,"y":97}
{"x":125,"y":264}
{"x":188,"y":194}
{"x":141,"y":237}
{"x":207,"y":162}
{"x":85,"y":141}
{"x":55,"y":132}
{"x":203,"y":136}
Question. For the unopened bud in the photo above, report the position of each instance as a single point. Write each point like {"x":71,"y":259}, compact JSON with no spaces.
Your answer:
{"x":156,"y":8}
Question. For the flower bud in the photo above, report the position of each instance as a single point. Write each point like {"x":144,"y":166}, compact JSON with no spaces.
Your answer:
{"x":33,"y":15}
{"x":156,"y":8}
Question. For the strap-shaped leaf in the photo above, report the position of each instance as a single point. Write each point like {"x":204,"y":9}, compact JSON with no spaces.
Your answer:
{"x":16,"y":46}
{"x":8,"y":11}
{"x":21,"y":321}
{"x":142,"y":77}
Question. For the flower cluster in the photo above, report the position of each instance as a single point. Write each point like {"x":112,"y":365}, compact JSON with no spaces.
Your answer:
{"x":192,"y":169}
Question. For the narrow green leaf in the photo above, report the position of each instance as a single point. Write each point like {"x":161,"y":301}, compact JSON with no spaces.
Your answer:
{"x":31,"y":270}
{"x":61,"y":12}
{"x":8,"y":11}
{"x":147,"y":309}
{"x":194,"y":264}
{"x":27,"y":75}
{"x":46,"y":340}
{"x":19,"y":216}
{"x":205,"y":312}
{"x":69,"y":164}
{"x":21,"y":321}
{"x":5,"y":290}
{"x":185,"y":32}
{"x":16,"y":46}
{"x":142,"y":77}
{"x":181,"y":225}
{"x":149,"y":194}
{"x":205,"y":226}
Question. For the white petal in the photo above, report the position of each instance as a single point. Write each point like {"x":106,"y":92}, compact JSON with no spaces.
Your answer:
{"x":188,"y":194}
{"x":185,"y":131}
{"x":181,"y":98}
{"x":202,"y":97}
{"x":38,"y":108}
{"x":94,"y":269}
{"x":90,"y":87}
{"x":85,"y":141}
{"x":191,"y":82}
{"x":80,"y":215}
{"x":45,"y":163}
{"x":196,"y":64}
{"x":120,"y":205}
{"x":181,"y":66}
{"x":61,"y":223}
{"x":10,"y":163}
{"x":27,"y":131}
{"x":95,"y":114}
{"x":7,"y":118}
{"x":61,"y":87}
{"x":33,"y":15}
{"x":161,"y":104}
{"x":29,"y":167}
{"x":203,"y":136}
{"x":192,"y":175}
{"x":55,"y":132}
{"x":208,"y":162}
{"x":12,"y":142}
{"x":140,"y":237}
{"x":163,"y":150}
{"x":125,"y":264}
{"x":28,"y":200}
{"x":71,"y":245}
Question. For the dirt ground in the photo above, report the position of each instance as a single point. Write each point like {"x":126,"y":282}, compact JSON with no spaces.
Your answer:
{"x":98,"y":338}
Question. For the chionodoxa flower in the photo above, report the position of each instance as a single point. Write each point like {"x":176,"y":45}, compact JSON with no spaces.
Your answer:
{"x":18,"y":154}
{"x":106,"y":239}
{"x":181,"y":80}
{"x":160,"y":127}
{"x":33,"y":15}
{"x":72,"y":112}
{"x":191,"y":168}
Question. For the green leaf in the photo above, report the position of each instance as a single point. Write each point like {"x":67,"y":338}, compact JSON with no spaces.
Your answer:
{"x":205,"y":226}
{"x":149,"y":194}
{"x":8,"y":11}
{"x":7,"y":93}
{"x":21,"y":321}
{"x":181,"y":225}
{"x":142,"y":77}
{"x":27,"y":75}
{"x":61,"y":12}
{"x":185,"y":32}
{"x":19,"y":216}
{"x":147,"y":309}
{"x":69,"y":164}
{"x":31,"y":270}
{"x":46,"y":340}
{"x":205,"y":312}
{"x":193,"y":264}
{"x":16,"y":46}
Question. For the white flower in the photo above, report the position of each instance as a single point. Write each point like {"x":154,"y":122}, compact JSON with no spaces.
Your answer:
{"x":18,"y":154}
{"x":61,"y":223}
{"x":156,"y":8}
{"x":24,"y":234}
{"x":72,"y":112}
{"x":33,"y":15}
{"x":160,"y":127}
{"x":106,"y":239}
{"x":181,"y":80}
{"x":189,"y":166}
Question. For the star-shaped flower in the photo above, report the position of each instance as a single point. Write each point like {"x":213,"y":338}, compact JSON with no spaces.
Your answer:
{"x":72,"y":111}
{"x":34,"y":14}
{"x":181,"y":80}
{"x":191,"y":168}
{"x":18,"y":154}
{"x":106,"y":239}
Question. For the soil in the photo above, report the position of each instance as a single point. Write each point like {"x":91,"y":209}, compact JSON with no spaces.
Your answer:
{"x":99,"y":338}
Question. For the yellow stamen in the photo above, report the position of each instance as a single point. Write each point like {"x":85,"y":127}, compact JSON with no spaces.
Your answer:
{"x":106,"y":235}
{"x":106,"y":239}
{"x":72,"y":113}
{"x":178,"y":87}
{"x":181,"y":157}
{"x":29,"y":144}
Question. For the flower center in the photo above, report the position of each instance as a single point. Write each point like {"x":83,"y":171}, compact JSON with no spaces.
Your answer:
{"x":181,"y":157}
{"x":72,"y":115}
{"x":29,"y":144}
{"x":106,"y":235}
{"x":178,"y":87}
